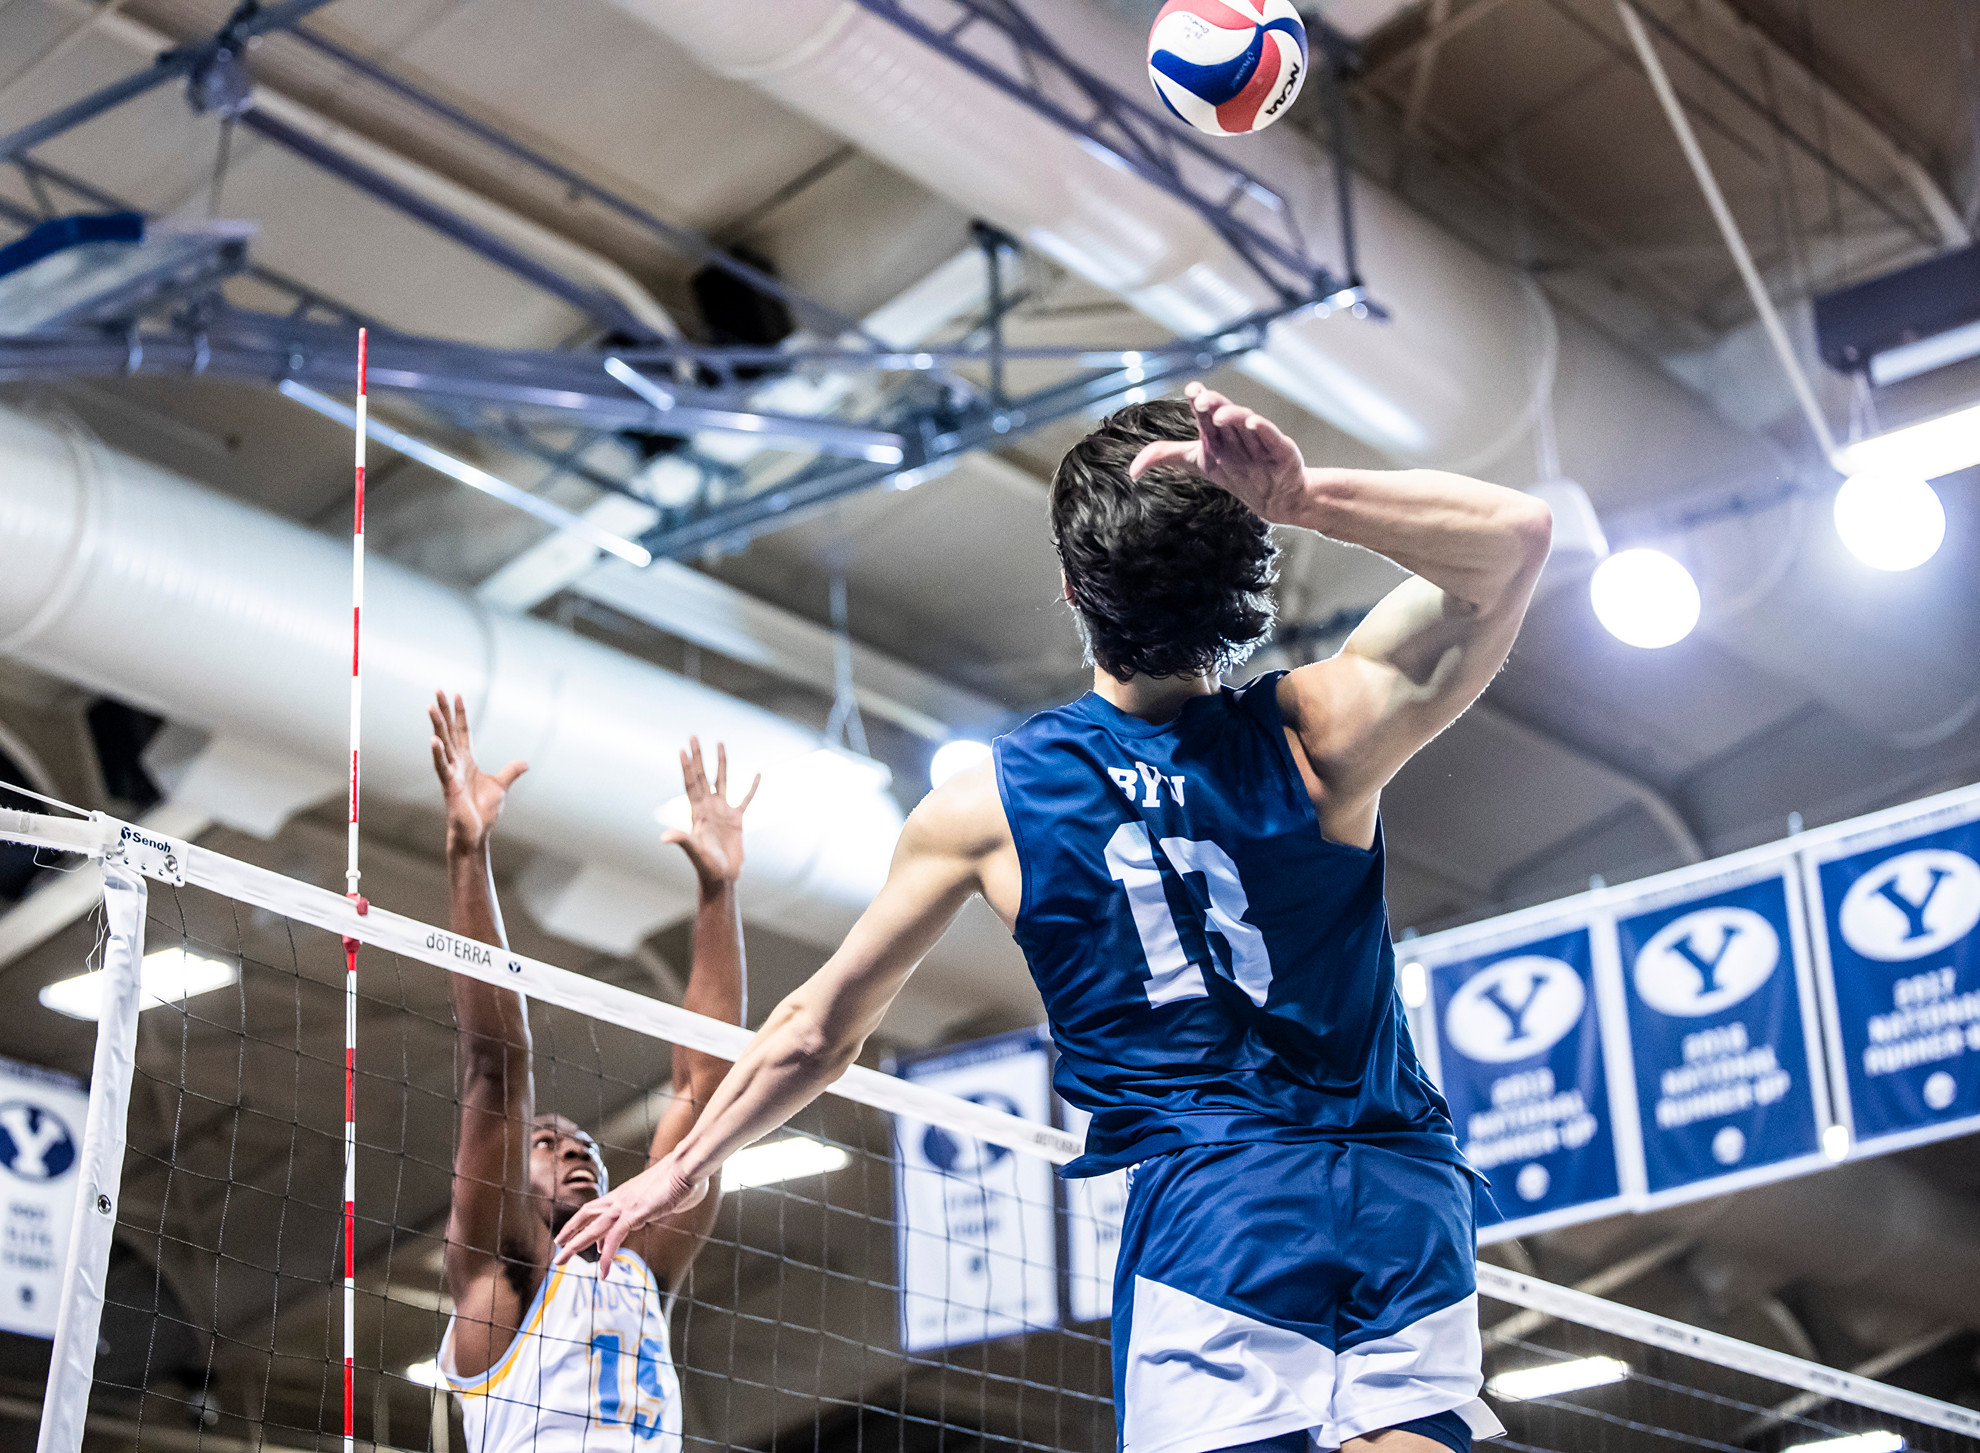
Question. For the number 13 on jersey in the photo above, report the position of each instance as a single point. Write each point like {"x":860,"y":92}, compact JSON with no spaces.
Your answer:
{"x":1222,"y":904}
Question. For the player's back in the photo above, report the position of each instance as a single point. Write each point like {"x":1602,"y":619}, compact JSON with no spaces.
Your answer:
{"x":1214,"y":969}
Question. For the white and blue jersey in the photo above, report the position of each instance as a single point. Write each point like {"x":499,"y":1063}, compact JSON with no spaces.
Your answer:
{"x":1299,"y":1243}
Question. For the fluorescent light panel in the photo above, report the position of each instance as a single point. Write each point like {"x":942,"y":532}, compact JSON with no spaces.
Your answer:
{"x":470,"y":475}
{"x":775,"y":1161}
{"x":1944,"y":445}
{"x":1908,"y":360}
{"x":1554,"y":1378}
{"x":1878,"y":1441}
{"x":169,"y":976}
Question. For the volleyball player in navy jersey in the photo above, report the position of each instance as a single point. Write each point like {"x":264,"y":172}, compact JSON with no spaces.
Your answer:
{"x":1194,"y":872}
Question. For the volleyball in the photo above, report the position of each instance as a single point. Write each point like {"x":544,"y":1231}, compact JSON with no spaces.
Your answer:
{"x":1228,"y":67}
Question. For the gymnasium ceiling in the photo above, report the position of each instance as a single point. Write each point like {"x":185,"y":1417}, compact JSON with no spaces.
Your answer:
{"x":1521,"y":125}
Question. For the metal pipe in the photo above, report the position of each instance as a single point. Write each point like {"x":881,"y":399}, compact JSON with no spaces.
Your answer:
{"x":1667,"y":97}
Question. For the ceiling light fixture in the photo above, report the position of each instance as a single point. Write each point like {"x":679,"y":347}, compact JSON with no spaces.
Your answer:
{"x":776,"y":1161}
{"x":1876,"y":1441}
{"x":954,"y":758}
{"x":1926,"y":450}
{"x":1554,"y":1378}
{"x":168,"y":976}
{"x":1413,"y":983}
{"x":1890,"y":521}
{"x":468,"y":474}
{"x":1644,"y":598}
{"x":426,"y":1374}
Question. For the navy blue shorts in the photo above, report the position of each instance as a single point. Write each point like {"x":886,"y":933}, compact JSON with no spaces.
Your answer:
{"x":1329,"y":1288}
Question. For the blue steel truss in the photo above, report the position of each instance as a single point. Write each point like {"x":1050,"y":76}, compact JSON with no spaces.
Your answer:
{"x":932,"y":412}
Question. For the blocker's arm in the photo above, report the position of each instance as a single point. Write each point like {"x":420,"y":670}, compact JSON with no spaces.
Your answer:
{"x":715,"y":987}
{"x":491,"y":1218}
{"x":815,"y":1034}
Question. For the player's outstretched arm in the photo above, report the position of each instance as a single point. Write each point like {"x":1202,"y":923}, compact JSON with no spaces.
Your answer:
{"x":715,"y":987}
{"x":814,"y":1035}
{"x":490,"y":1219}
{"x":1433,"y":644}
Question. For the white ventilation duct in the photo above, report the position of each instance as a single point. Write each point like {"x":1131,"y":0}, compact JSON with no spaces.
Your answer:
{"x":129,"y":580}
{"x":1453,"y":380}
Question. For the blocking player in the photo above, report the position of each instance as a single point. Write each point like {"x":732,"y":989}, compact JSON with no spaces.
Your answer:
{"x":1194,"y":873}
{"x":560,"y":1357}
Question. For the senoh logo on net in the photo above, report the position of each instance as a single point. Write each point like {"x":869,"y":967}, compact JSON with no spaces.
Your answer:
{"x":1515,"y":1009}
{"x":1706,"y":961}
{"x":1911,"y":905}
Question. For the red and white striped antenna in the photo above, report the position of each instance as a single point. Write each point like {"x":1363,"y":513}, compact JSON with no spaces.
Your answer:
{"x":350,"y":944}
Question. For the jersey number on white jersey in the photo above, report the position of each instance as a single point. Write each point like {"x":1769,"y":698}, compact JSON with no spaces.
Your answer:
{"x":1172,"y":976}
{"x":644,"y":1402}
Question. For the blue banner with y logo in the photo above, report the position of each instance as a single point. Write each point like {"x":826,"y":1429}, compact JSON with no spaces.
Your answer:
{"x":1722,"y":1037}
{"x":1519,"y":1056}
{"x":1898,"y":933}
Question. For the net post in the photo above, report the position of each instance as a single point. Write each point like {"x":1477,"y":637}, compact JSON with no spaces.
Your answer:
{"x":72,"y":1363}
{"x":351,"y":945}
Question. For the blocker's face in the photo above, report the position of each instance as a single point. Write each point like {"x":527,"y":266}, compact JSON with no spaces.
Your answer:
{"x":565,"y":1168}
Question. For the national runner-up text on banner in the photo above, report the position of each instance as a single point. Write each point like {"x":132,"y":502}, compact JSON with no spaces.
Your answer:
{"x":1519,"y":1055}
{"x":41,"y":1128}
{"x":1095,"y":1208}
{"x":1722,"y":1032}
{"x":1897,"y":946}
{"x":977,"y":1226}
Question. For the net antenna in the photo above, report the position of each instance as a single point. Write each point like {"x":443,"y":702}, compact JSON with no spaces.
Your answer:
{"x":351,"y":876}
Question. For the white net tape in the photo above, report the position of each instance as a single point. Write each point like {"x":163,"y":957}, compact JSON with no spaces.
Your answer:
{"x":222,"y":1330}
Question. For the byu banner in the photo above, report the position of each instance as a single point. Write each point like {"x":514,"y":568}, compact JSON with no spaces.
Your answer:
{"x":1721,"y":1014}
{"x":1095,"y":1208}
{"x":978,"y":1230}
{"x":41,"y":1124}
{"x":1897,"y":930}
{"x":1517,"y":1045}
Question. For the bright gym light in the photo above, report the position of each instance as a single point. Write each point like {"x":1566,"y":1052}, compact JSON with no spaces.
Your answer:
{"x":953,"y":758}
{"x":169,"y":976}
{"x":1413,"y":980}
{"x":1878,"y":1441}
{"x":1944,"y":445}
{"x":1556,"y":1378}
{"x":1890,"y":521}
{"x":1644,"y":598}
{"x":426,"y":1374}
{"x":1835,"y":1142}
{"x":774,"y":1161}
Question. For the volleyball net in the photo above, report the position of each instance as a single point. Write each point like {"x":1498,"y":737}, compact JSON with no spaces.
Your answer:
{"x":898,"y":1270}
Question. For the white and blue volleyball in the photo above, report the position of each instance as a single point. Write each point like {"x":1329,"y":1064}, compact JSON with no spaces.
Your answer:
{"x":1228,"y":67}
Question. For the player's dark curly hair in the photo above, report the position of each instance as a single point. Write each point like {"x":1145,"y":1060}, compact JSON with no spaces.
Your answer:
{"x":1170,"y":575}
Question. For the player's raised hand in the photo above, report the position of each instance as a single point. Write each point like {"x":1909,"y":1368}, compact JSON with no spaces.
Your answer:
{"x":474,"y":798}
{"x":606,"y":1222}
{"x":1238,"y":449}
{"x":714,"y":839}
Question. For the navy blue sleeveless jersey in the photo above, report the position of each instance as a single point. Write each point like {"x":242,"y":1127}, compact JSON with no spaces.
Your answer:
{"x":1214,"y":970}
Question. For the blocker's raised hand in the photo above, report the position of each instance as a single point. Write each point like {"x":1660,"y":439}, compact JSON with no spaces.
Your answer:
{"x":607,"y":1221}
{"x":714,"y":839}
{"x":1239,"y":450}
{"x":474,"y":798}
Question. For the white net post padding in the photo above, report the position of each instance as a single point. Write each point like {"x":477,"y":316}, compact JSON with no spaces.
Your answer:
{"x":790,"y":1332}
{"x":100,"y":1166}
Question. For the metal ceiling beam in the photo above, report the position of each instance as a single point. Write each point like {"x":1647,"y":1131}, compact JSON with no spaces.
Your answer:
{"x":1902,"y":158}
{"x":568,"y":387}
{"x":247,"y":22}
